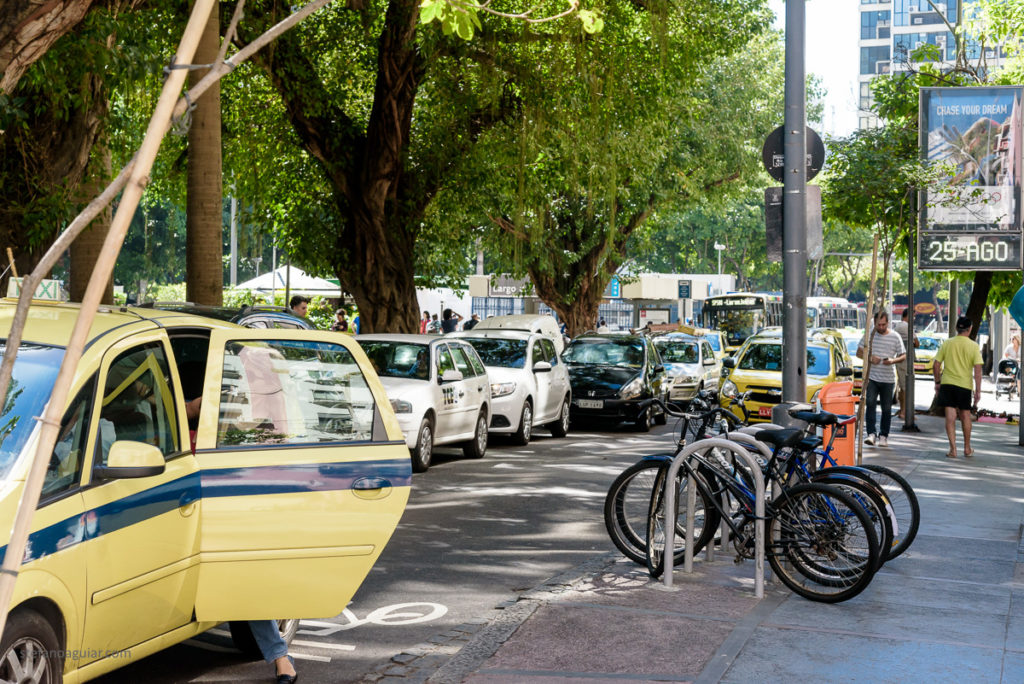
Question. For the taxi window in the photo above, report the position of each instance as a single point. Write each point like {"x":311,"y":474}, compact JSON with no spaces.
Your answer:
{"x":474,"y":360}
{"x":538,"y":351}
{"x":549,"y":351}
{"x":461,"y":361}
{"x":292,"y":392}
{"x":65,"y":468}
{"x":444,"y":360}
{"x":138,"y":403}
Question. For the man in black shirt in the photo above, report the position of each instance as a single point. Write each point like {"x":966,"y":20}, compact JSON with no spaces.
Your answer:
{"x":450,"y":321}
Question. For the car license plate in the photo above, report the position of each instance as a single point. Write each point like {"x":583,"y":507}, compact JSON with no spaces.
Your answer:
{"x":590,"y":403}
{"x":764,"y":412}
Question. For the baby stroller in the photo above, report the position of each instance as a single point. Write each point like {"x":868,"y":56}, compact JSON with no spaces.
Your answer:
{"x":1006,"y":378}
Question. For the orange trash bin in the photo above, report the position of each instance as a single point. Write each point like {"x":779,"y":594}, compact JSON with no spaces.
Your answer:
{"x":837,"y":397}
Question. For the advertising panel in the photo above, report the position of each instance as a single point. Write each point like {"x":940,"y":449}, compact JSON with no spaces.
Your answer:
{"x":973,"y":222}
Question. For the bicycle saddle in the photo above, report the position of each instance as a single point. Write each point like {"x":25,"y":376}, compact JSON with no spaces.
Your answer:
{"x":780,"y":438}
{"x":819,"y":418}
{"x":810,"y":443}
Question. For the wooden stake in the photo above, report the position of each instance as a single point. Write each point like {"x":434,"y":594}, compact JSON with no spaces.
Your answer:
{"x":868,"y":330}
{"x":10,"y":258}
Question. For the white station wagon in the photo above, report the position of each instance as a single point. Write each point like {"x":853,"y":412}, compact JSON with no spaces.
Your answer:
{"x":438,"y":388}
{"x":529,"y":383}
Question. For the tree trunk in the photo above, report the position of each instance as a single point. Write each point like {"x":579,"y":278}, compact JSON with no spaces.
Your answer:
{"x":28,"y":28}
{"x":979,"y":300}
{"x":204,"y":280}
{"x":87,"y":246}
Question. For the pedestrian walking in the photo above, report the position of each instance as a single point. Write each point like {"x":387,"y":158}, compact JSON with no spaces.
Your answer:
{"x":450,"y":321}
{"x":434,"y":326}
{"x":905,"y":330}
{"x":424,"y":322}
{"x":471,"y":323}
{"x":886,"y":351}
{"x":958,"y":359}
{"x":602,"y":327}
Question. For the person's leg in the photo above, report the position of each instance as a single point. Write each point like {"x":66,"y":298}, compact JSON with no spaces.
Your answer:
{"x":885,"y":392}
{"x":871,"y":392}
{"x":951,"y":430}
{"x":272,"y":646}
{"x":965,"y":423}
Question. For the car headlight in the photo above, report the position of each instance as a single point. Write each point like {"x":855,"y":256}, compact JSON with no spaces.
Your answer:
{"x":729,"y":389}
{"x":500,"y":389}
{"x":632,"y":388}
{"x":401,"y":406}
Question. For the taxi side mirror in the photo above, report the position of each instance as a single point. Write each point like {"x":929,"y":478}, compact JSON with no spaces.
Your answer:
{"x":709,"y":360}
{"x":844,"y":372}
{"x":542,"y":367}
{"x":451,"y":376}
{"x":729,"y":362}
{"x":129,"y":459}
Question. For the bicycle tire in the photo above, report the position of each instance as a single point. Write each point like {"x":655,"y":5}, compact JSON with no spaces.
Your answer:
{"x":706,"y":516}
{"x":904,"y":503}
{"x":625,"y":507}
{"x":811,"y":522}
{"x":874,"y":502}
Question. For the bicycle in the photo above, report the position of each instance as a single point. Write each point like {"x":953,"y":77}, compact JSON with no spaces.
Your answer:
{"x":819,"y":540}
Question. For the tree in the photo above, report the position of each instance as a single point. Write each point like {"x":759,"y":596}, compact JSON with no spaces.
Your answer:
{"x":653,"y":117}
{"x":28,"y":28}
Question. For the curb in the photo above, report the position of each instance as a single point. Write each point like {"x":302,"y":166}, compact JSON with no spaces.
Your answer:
{"x":451,"y":656}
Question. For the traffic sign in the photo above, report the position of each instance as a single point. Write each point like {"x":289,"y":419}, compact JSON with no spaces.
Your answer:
{"x":684,"y":289}
{"x":773,"y":154}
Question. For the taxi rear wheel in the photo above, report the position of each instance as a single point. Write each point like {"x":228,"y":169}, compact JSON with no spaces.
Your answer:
{"x":30,"y":650}
{"x":477,"y":447}
{"x":246,"y":642}
{"x":424,"y":450}
{"x":523,"y":434}
{"x":560,"y":428}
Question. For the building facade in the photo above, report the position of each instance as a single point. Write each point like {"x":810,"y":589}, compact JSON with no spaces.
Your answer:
{"x":891,"y":31}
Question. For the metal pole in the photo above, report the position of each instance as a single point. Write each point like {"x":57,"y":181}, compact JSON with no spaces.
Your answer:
{"x":794,"y":212}
{"x":234,"y":241}
{"x":954,"y":306}
{"x":909,"y":418}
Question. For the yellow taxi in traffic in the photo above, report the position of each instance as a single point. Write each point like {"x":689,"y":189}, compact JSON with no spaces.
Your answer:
{"x":714,"y":337}
{"x":757,"y":367}
{"x":274,"y":503}
{"x":924,"y":355}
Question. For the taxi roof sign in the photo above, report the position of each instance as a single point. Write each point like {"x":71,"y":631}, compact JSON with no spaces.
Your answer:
{"x":48,"y":290}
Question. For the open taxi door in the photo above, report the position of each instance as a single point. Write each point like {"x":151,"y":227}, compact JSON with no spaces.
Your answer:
{"x":304,"y":474}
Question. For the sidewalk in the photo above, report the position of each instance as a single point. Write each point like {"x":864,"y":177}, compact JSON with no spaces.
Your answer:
{"x":951,"y":609}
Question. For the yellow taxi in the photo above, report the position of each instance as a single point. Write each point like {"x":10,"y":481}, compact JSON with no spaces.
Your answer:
{"x":273,"y":504}
{"x":714,"y":337}
{"x":924,"y":355}
{"x":757,"y":367}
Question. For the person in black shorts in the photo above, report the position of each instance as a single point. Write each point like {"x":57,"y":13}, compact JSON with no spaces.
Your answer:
{"x":956,"y":367}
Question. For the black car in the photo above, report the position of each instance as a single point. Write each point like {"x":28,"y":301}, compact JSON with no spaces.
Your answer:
{"x":616,"y":377}
{"x":274,"y":317}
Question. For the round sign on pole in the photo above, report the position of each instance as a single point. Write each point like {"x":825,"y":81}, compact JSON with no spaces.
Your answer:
{"x":924,"y":308}
{"x":773,"y":155}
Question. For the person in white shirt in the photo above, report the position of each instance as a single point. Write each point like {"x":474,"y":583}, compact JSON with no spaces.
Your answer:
{"x":886,"y":351}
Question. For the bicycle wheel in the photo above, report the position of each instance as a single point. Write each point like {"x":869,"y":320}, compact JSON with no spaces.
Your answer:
{"x":821,"y":543}
{"x":872,"y":499}
{"x":626,"y":504}
{"x":705,"y":522}
{"x":904,"y":504}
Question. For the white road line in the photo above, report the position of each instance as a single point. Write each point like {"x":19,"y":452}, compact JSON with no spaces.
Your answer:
{"x":320,"y":644}
{"x":305,"y":656}
{"x":316,"y":623}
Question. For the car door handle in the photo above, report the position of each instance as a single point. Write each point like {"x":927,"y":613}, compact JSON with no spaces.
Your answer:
{"x":370,"y":483}
{"x":461,"y":393}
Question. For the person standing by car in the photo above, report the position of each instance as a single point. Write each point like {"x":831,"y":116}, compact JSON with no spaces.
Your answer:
{"x":299,"y":305}
{"x":886,"y":351}
{"x":906,"y":332}
{"x":471,"y":323}
{"x":340,"y":321}
{"x":424,"y":322}
{"x":956,"y":361}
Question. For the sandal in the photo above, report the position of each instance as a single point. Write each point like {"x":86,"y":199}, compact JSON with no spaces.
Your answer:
{"x":950,"y":454}
{"x":968,"y":454}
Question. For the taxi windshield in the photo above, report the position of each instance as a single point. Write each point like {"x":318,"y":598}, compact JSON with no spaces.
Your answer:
{"x":715,"y":341}
{"x":603,"y":352}
{"x":35,"y":372}
{"x":500,"y":353}
{"x":677,"y":352}
{"x":768,"y":357}
{"x":929,"y":343}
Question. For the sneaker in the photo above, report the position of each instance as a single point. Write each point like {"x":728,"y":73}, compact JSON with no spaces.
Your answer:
{"x":883,"y":441}
{"x":869,"y":440}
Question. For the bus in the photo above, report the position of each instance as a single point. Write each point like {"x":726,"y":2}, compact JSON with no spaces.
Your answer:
{"x":834,"y":312}
{"x":741,"y":314}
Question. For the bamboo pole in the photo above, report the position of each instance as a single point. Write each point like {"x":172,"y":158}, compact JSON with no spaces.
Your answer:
{"x":869,"y":328}
{"x":14,"y":267}
{"x":93,"y":295}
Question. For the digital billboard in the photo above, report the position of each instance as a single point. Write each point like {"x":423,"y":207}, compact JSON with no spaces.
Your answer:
{"x":973,"y":220}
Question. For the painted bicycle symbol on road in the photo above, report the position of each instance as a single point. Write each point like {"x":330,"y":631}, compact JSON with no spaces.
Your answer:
{"x":394,"y":615}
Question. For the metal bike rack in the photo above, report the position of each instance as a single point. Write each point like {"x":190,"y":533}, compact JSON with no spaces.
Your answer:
{"x":691,"y":504}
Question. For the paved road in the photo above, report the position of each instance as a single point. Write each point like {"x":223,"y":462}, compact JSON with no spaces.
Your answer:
{"x":475,"y":534}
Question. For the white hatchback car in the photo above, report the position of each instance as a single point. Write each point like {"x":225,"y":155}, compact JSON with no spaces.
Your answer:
{"x":529,"y":383}
{"x":438,"y":388}
{"x":690,"y":365}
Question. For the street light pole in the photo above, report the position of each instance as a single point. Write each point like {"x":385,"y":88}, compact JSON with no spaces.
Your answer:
{"x":718,"y":248}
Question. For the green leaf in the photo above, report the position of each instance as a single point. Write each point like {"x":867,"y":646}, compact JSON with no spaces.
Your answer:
{"x":428,"y":11}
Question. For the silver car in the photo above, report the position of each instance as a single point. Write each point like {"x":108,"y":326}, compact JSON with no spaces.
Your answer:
{"x":438,"y":388}
{"x":529,"y":383}
{"x":690,"y":365}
